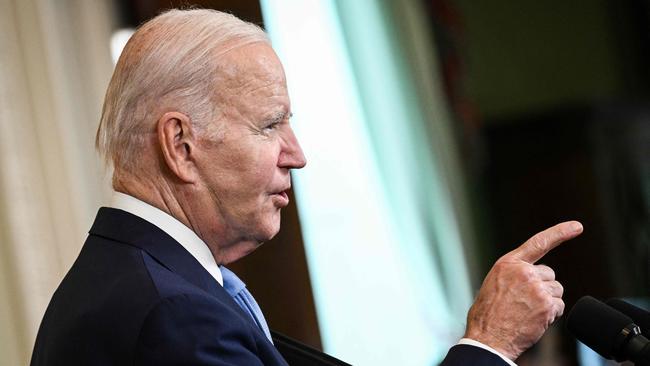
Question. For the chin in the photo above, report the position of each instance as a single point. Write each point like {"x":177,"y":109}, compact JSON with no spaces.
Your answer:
{"x":239,"y":252}
{"x":268,"y":233}
{"x":269,"y":228}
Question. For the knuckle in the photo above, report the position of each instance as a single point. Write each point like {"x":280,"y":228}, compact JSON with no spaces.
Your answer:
{"x":499,"y":267}
{"x":548,"y":270}
{"x":539,"y":242}
{"x":549,"y":307}
{"x":501,"y":262}
{"x":526,"y":273}
{"x":563,"y":231}
{"x":539,"y":290}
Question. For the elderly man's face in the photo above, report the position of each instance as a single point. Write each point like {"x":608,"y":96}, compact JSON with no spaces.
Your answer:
{"x":246,"y":170}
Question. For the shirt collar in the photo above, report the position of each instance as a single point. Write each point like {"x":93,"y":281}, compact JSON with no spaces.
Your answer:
{"x":174,"y":228}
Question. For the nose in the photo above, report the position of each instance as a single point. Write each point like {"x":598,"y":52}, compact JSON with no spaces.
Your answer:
{"x":291,"y":156}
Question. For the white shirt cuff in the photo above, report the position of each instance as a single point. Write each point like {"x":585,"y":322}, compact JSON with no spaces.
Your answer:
{"x":471,"y":342}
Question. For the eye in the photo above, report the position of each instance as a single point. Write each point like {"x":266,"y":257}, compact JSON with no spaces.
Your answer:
{"x":272,"y":126}
{"x":275,"y":123}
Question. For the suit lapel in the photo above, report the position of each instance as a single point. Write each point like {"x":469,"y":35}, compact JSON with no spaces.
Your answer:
{"x":130,"y":229}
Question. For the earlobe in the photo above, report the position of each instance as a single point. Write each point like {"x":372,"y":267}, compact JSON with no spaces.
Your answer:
{"x":177,"y":145}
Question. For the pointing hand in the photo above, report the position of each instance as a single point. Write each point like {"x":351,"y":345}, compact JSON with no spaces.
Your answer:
{"x":519,"y":300}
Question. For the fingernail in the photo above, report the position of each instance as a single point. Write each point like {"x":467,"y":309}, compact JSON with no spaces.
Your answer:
{"x":576,"y":226}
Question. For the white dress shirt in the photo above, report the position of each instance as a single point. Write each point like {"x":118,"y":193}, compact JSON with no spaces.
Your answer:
{"x":174,"y":228}
{"x":471,"y":342}
{"x":199,"y":249}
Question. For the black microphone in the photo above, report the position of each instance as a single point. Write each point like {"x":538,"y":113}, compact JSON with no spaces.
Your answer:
{"x":641,"y":317}
{"x":609,"y":332}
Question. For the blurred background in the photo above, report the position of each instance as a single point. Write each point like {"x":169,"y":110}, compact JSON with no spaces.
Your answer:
{"x":440,"y":134}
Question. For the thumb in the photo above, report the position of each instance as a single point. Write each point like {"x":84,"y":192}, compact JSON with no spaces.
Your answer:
{"x":543,"y":242}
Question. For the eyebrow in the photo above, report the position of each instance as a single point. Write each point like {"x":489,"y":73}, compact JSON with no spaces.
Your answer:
{"x":279,"y":116}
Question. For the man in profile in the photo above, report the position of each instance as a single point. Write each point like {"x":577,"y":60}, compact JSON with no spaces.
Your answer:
{"x":196,"y":126}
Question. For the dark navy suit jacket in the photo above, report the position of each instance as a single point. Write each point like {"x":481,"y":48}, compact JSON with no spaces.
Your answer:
{"x":135,"y":296}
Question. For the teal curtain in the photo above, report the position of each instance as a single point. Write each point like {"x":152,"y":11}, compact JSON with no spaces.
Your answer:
{"x":381,"y":200}
{"x":395,"y":68}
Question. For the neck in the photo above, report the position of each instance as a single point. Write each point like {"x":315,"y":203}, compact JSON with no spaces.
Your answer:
{"x":185,"y":203}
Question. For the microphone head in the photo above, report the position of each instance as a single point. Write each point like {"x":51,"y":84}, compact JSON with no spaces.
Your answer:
{"x":598,"y":326}
{"x":640,"y":316}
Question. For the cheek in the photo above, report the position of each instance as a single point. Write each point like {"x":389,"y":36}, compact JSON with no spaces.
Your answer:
{"x":247,"y":173}
{"x":264,"y":168}
{"x":246,"y":189}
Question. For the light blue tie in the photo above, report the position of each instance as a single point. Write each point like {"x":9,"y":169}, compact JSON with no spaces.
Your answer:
{"x":236,"y":288}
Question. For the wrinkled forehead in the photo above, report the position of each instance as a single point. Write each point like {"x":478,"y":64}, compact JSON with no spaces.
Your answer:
{"x":250,"y":67}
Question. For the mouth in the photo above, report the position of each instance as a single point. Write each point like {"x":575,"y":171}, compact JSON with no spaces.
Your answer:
{"x":281,"y":198}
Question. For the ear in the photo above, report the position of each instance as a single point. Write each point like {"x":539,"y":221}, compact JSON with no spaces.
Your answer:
{"x":177,"y":145}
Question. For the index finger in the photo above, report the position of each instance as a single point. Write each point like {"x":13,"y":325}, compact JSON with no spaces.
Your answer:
{"x":541,"y":243}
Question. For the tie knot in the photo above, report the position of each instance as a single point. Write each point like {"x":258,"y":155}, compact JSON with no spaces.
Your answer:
{"x":231,"y":283}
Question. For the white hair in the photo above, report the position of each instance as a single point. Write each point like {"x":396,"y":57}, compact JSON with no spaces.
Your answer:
{"x":170,"y":63}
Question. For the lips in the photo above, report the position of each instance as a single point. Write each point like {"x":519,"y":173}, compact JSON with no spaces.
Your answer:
{"x":281,"y":198}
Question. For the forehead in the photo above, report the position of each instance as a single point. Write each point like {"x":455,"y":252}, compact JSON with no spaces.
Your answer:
{"x":251,"y":67}
{"x":251,"y":85}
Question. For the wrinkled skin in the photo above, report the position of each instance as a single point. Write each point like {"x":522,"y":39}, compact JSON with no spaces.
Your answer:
{"x":519,"y":300}
{"x":247,"y":169}
{"x":230,"y":185}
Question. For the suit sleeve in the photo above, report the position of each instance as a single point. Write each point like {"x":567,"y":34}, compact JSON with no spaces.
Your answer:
{"x":462,"y":355}
{"x":193,"y":330}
